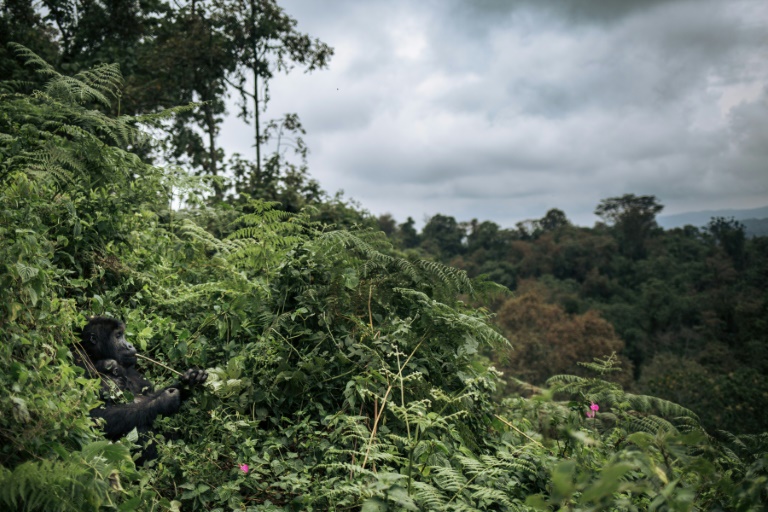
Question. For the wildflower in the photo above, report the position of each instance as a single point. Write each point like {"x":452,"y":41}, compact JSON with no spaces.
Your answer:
{"x":593,"y":408}
{"x":243,"y":467}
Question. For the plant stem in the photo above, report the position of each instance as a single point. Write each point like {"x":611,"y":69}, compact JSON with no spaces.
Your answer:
{"x":519,"y":431}
{"x":159,"y":364}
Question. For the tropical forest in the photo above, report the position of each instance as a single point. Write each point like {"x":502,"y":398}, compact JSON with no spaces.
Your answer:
{"x":342,"y":360}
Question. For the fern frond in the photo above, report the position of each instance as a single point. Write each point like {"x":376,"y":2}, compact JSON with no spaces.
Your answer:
{"x":473,"y":326}
{"x":490,"y":495}
{"x":735,"y":440}
{"x":650,"y":424}
{"x":645,"y":403}
{"x":105,"y":78}
{"x":429,"y":496}
{"x":458,"y":279}
{"x":69,"y":88}
{"x":348,"y":467}
{"x":449,"y":479}
{"x":565,"y":379}
{"x":32,"y":59}
{"x":81,"y":481}
{"x":267,"y":235}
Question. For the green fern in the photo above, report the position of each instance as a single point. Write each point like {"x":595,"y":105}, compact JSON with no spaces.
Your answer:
{"x":655,"y":414}
{"x":645,"y":403}
{"x":95,"y":84}
{"x":81,"y":481}
{"x":268,"y":234}
{"x":33,"y":60}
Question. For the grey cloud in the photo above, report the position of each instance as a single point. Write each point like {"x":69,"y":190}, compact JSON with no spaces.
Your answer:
{"x":574,"y":11}
{"x":502,"y":110}
{"x":749,"y":126}
{"x":601,"y":11}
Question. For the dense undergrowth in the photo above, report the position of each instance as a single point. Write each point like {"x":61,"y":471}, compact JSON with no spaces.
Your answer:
{"x":344,"y":376}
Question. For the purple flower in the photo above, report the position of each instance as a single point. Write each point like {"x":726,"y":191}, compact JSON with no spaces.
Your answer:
{"x":243,"y":467}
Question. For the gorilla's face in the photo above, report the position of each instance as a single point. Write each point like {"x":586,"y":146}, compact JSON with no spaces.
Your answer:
{"x":124,"y":351}
{"x":104,"y":338}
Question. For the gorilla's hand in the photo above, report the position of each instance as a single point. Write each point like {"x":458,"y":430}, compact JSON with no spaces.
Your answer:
{"x":113,"y":371}
{"x":167,"y":401}
{"x":194,"y":377}
{"x":110,"y":367}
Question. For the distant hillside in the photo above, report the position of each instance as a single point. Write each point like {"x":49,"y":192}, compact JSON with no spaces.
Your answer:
{"x":755,"y":220}
{"x":756,"y":227}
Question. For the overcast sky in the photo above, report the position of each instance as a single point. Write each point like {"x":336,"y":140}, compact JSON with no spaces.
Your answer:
{"x":500,"y":110}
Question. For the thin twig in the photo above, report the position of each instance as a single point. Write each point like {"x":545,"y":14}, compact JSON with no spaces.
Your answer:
{"x":465,"y":486}
{"x":86,"y":361}
{"x":519,"y":431}
{"x":380,"y":410}
{"x":402,"y":393}
{"x":370,"y":314}
{"x":114,"y":389}
{"x":159,"y":364}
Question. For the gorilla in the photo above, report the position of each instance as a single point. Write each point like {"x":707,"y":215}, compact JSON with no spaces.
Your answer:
{"x":104,"y":352}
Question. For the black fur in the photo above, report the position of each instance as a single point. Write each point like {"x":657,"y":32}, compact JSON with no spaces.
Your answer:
{"x":105,"y":353}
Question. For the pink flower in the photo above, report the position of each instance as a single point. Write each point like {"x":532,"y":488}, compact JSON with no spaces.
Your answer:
{"x":243,"y":467}
{"x":593,"y":409}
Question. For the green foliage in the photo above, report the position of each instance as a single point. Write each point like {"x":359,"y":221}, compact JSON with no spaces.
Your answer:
{"x":687,"y":306}
{"x":172,"y":54}
{"x":56,"y":134}
{"x":89,"y":479}
{"x":729,"y":235}
{"x":344,"y":374}
{"x":58,"y":158}
{"x":625,"y":451}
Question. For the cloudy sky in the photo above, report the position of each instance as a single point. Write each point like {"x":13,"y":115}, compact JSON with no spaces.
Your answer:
{"x":502,"y":109}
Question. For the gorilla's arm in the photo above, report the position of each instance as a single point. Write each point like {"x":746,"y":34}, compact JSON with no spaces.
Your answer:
{"x":148,"y":404}
{"x":122,"y":418}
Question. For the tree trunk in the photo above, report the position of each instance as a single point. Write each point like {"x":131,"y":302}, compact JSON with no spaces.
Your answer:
{"x":210,"y":125}
{"x":256,"y":119}
{"x":255,"y":69}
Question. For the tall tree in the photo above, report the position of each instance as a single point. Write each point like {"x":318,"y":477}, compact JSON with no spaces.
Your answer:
{"x":634,"y":217}
{"x":189,"y":62}
{"x":547,"y":340}
{"x":280,"y":179}
{"x":408,"y":235}
{"x":443,"y":235}
{"x":554,"y":219}
{"x":103,"y":32}
{"x":484,"y":236}
{"x":730,"y":235}
{"x":176,"y":53}
{"x":266,"y":41}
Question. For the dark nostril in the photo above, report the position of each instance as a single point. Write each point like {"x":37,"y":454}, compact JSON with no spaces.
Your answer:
{"x":172,"y":390}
